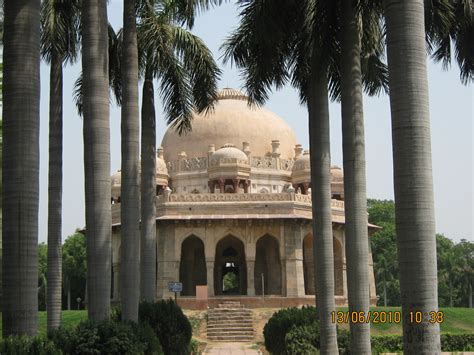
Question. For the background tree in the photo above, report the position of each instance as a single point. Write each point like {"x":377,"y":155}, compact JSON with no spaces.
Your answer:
{"x":74,"y":268}
{"x":20,"y":170}
{"x":42,"y":276}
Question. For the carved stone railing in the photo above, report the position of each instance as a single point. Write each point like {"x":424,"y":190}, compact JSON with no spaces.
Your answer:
{"x":285,"y":196}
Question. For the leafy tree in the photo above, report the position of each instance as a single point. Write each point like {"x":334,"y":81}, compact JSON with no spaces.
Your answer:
{"x":74,"y":267}
{"x":42,"y":275}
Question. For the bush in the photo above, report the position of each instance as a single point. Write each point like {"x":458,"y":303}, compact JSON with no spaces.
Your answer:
{"x":106,"y":337}
{"x":457,"y":342}
{"x":194,"y":347}
{"x":19,"y":345}
{"x":282,"y":322}
{"x":343,"y":341}
{"x":170,"y":325}
{"x":302,"y":340}
{"x":386,"y":343}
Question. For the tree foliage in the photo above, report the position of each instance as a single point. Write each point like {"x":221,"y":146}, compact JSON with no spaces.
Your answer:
{"x":455,"y":261}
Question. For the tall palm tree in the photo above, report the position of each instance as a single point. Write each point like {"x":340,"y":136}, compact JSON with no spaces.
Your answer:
{"x":130,"y":256}
{"x":96,"y":156}
{"x":59,"y":42}
{"x":187,"y":76}
{"x":21,"y":166}
{"x":359,"y":61}
{"x":414,"y":203}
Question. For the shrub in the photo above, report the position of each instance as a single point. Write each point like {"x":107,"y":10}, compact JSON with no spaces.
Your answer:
{"x":194,"y":347}
{"x":282,"y":322}
{"x":457,"y":342}
{"x":343,"y":341}
{"x":386,"y":343}
{"x":106,"y":337}
{"x":170,"y":325}
{"x":302,"y":340}
{"x":19,"y":345}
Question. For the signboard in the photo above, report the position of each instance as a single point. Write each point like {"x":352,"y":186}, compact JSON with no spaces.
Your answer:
{"x":175,"y":286}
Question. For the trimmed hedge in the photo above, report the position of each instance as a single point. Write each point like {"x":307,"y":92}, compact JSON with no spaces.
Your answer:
{"x":170,"y":325}
{"x":106,"y":337}
{"x":282,"y":323}
{"x":20,"y":345}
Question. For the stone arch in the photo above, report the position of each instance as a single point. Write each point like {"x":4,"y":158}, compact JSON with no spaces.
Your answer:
{"x":267,"y":262}
{"x":263,"y":191}
{"x":192,"y":266}
{"x":230,"y":258}
{"x":308,"y":265}
{"x":338,"y":268}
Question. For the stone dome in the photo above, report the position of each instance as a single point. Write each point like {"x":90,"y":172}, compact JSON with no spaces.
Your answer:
{"x":336,"y":174}
{"x":229,"y":151}
{"x":116,"y":178}
{"x":234,"y":121}
{"x":302,"y":163}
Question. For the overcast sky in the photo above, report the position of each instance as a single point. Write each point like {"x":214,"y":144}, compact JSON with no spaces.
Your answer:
{"x":451,"y":108}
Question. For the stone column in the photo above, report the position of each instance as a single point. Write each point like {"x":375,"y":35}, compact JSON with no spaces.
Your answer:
{"x":235,"y":182}
{"x":212,"y":186}
{"x":294,"y":260}
{"x":250,"y":277}
{"x":210,"y":277}
{"x":221,"y":185}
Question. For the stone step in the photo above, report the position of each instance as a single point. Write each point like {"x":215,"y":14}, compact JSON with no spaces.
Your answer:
{"x":230,"y":311}
{"x":243,"y":323}
{"x":237,"y":338}
{"x":221,"y":331}
{"x":228,"y":319}
{"x":223,"y":327}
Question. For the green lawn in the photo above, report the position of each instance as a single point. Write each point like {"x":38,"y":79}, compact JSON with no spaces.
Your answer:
{"x":456,"y":321}
{"x":68,"y":319}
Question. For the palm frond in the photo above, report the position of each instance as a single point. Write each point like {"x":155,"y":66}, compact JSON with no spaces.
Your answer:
{"x":60,"y":29}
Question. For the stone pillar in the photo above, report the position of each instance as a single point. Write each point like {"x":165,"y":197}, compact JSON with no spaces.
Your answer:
{"x":250,"y":277}
{"x":221,"y":185}
{"x":235,"y":182}
{"x":210,"y":277}
{"x":305,"y":188}
{"x":276,"y":148}
{"x":294,"y":260}
{"x":298,"y":150}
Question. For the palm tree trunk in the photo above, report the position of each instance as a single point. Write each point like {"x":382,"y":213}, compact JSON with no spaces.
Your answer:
{"x":470,"y":295}
{"x":321,"y":204}
{"x":130,"y":256}
{"x":414,"y":202}
{"x":20,"y":167}
{"x":53,"y":303}
{"x":148,"y":186}
{"x":353,"y":144}
{"x":385,"y":294}
{"x":97,"y":156}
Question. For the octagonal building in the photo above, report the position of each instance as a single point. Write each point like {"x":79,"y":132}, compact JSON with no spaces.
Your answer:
{"x":233,"y":212}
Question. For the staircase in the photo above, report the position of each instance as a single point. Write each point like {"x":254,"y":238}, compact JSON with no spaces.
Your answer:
{"x":230,"y":322}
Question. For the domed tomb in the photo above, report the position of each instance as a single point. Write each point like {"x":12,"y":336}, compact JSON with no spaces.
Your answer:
{"x":234,"y":121}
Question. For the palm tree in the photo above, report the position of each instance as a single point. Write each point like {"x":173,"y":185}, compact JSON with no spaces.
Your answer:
{"x":414,"y":203}
{"x":130,"y":256}
{"x":59,"y":41}
{"x":96,"y":156}
{"x":360,"y":64}
{"x":187,"y":76}
{"x":21,"y":166}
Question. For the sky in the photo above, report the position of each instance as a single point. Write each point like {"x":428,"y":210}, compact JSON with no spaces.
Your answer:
{"x":451,"y":109}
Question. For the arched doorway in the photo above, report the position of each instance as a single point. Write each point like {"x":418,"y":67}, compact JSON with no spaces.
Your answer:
{"x":338,"y":268}
{"x":192,"y":267}
{"x":230,"y":269}
{"x":308,"y":265}
{"x":267,"y":262}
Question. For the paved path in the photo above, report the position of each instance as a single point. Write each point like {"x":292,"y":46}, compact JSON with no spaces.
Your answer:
{"x":230,"y":349}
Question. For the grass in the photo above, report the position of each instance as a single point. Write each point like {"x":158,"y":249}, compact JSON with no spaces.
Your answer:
{"x":68,"y":319}
{"x":456,"y":321}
